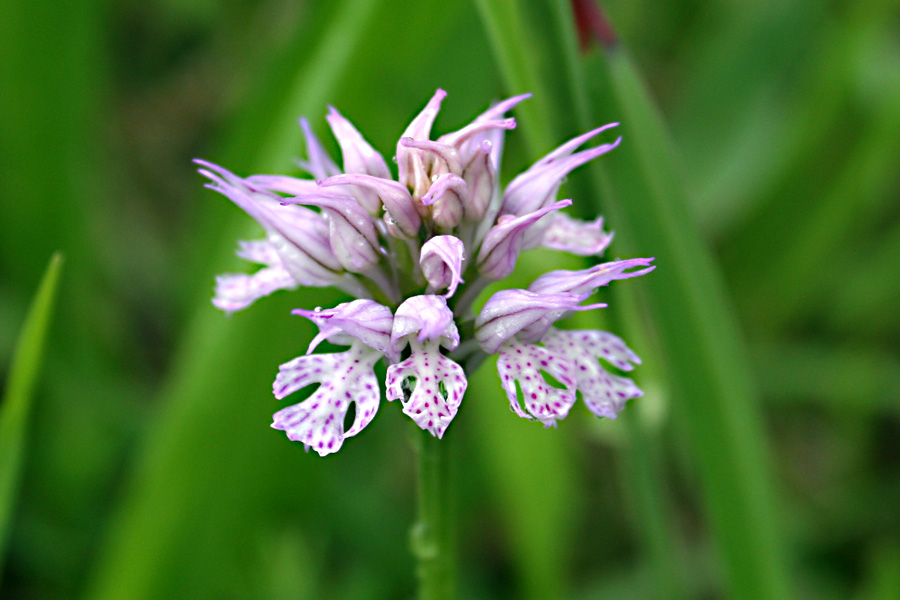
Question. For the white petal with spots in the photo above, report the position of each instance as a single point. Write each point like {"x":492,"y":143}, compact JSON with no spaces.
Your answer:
{"x":437,"y":391}
{"x":318,"y":421}
{"x":524,"y":363}
{"x":604,"y":394}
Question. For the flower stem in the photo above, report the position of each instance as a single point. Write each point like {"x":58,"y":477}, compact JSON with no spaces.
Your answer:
{"x":433,"y":536}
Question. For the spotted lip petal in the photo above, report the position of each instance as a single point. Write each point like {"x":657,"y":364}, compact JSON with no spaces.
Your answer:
{"x":441,"y":261}
{"x":318,"y":421}
{"x":524,"y":363}
{"x":427,"y":316}
{"x":438,"y":385}
{"x":586,"y":281}
{"x":604,"y":394}
{"x":510,"y":313}
{"x":362,"y":320}
{"x":503,"y":243}
{"x":537,"y":187}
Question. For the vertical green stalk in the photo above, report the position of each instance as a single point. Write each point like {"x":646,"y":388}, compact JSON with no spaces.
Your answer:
{"x":433,"y":539}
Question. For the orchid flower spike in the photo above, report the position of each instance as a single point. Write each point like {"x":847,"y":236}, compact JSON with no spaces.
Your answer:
{"x":414,"y":254}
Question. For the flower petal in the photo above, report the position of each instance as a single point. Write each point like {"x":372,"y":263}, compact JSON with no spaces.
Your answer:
{"x":318,"y":163}
{"x":318,"y":421}
{"x":359,"y":156}
{"x":520,"y":312}
{"x":429,"y":317}
{"x":395,"y":198}
{"x":299,"y":235}
{"x":537,"y":187}
{"x":441,"y":261}
{"x":238,"y":291}
{"x":437,"y":387}
{"x":588,"y":280}
{"x":411,"y":163}
{"x":480,"y":176}
{"x":524,"y":363}
{"x":447,"y":196}
{"x":604,"y":394}
{"x":282,"y":184}
{"x":363,"y":320}
{"x":351,"y":231}
{"x":502,"y":244}
{"x":489,"y":125}
{"x":576,"y":236}
{"x":261,"y":252}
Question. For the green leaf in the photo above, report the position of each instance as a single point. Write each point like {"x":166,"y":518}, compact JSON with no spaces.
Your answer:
{"x":17,"y":399}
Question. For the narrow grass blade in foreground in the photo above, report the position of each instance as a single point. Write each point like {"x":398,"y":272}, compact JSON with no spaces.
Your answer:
{"x":17,"y":399}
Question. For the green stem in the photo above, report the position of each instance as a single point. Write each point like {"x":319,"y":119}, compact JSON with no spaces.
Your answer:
{"x":433,"y":540}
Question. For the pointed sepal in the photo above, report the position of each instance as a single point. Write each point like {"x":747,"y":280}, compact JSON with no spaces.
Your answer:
{"x":586,"y":281}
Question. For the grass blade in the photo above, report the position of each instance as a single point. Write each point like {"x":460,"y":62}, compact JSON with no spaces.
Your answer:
{"x":17,"y":399}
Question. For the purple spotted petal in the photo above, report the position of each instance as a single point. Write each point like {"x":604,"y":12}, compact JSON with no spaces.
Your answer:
{"x":588,"y":280}
{"x":441,"y":261}
{"x":447,"y":197}
{"x":359,"y":156}
{"x":396,"y":199}
{"x":436,"y":391}
{"x":238,"y":291}
{"x":427,"y":316}
{"x":503,"y":243}
{"x":363,"y":320}
{"x":351,"y":231}
{"x":576,"y":236}
{"x":411,"y":163}
{"x":318,"y":162}
{"x":520,"y":312}
{"x":604,"y":394}
{"x":526,"y":364}
{"x":318,"y":421}
{"x":537,"y":187}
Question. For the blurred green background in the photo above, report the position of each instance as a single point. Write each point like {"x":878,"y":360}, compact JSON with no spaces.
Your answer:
{"x":760,"y":159}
